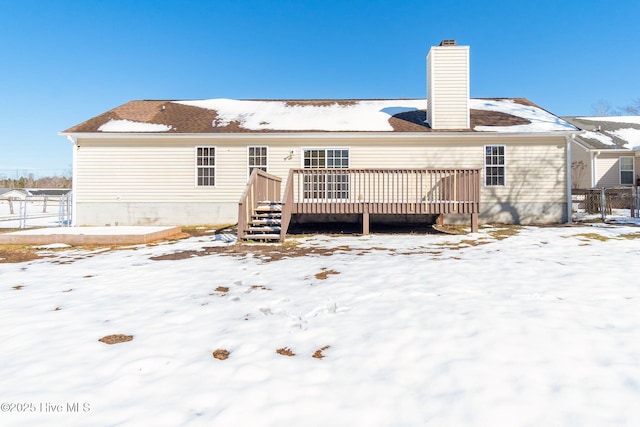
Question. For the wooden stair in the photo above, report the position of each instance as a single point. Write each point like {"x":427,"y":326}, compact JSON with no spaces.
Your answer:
{"x":266,"y":222}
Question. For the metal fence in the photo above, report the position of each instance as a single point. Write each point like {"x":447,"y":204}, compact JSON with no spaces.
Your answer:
{"x":38,"y":210}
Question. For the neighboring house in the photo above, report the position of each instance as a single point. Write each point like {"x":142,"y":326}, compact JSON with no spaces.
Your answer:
{"x":13,"y":194}
{"x":23,"y":193}
{"x":60,"y":199}
{"x":48,"y":192}
{"x":607,"y":154}
{"x":188,"y":162}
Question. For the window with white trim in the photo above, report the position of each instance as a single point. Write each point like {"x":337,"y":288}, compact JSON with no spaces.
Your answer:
{"x":626,"y":170}
{"x":494,"y":168}
{"x":206,"y":166}
{"x":257,"y":158}
{"x":330,"y":185}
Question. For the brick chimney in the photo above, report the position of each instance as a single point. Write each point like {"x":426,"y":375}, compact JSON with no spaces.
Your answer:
{"x":448,"y":86}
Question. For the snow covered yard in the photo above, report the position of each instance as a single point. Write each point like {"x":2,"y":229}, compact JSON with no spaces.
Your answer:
{"x":516,"y":327}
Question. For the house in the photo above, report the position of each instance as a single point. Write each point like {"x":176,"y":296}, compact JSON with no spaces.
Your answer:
{"x":13,"y":194}
{"x":165,"y":162}
{"x":24,"y":193}
{"x":607,"y":153}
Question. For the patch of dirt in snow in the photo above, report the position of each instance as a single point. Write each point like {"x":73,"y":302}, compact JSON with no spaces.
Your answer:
{"x":265,"y":253}
{"x":15,"y":255}
{"x":221,"y":354}
{"x":318,"y":353}
{"x":285,"y":351}
{"x":116,"y":339}
{"x":325,"y":273}
{"x":255,"y":288}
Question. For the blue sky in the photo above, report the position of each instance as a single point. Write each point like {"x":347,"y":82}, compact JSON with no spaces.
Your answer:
{"x":63,"y":62}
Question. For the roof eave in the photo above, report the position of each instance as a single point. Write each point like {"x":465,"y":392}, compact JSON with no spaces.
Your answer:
{"x":327,"y":135}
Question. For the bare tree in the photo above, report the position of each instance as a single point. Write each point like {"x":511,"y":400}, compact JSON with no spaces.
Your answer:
{"x":602,"y":108}
{"x":578,"y":169}
{"x":633,"y":108}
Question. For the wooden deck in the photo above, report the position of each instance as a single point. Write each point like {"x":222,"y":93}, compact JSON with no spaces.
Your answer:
{"x":366,"y":192}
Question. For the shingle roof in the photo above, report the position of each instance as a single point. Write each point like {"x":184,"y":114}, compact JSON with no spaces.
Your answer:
{"x":197,"y":117}
{"x":608,"y":133}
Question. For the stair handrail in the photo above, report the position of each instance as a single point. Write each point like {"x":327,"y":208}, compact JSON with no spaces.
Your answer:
{"x":261,"y":186}
{"x":287,"y":206}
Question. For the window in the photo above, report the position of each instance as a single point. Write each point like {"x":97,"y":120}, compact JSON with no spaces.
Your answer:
{"x":257,"y":158}
{"x":330,"y":185}
{"x":206,"y":166}
{"x":494,"y":169}
{"x":626,"y":171}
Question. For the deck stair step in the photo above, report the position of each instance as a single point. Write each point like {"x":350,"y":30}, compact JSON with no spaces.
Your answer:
{"x":270,"y":237}
{"x":265,"y":223}
{"x":268,"y":208}
{"x":268,"y":230}
{"x":267,"y":215}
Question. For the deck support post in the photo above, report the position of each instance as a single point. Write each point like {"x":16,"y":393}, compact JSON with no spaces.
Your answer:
{"x":474,"y":222}
{"x":365,"y":222}
{"x":440,"y":220}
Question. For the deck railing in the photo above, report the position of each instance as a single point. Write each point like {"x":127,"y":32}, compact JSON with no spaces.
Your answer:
{"x":261,"y":186}
{"x":384,"y":191}
{"x":364,"y":191}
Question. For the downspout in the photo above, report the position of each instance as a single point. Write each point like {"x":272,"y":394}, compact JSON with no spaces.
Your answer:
{"x":569,"y":197}
{"x":594,"y":156}
{"x":74,"y":170}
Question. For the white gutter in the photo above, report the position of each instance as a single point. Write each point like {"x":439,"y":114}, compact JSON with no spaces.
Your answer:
{"x":317,"y":135}
{"x":74,"y":166}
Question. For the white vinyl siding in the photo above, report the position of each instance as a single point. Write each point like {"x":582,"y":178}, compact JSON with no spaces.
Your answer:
{"x":608,"y":170}
{"x":581,"y":174}
{"x":448,"y":87}
{"x":123,"y":172}
{"x":155,"y":171}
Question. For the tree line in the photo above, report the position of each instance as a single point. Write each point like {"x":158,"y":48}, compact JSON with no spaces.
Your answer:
{"x":604,"y":108}
{"x":30,"y":181}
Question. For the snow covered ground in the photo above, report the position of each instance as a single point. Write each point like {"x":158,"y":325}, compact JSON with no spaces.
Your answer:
{"x":537,"y":328}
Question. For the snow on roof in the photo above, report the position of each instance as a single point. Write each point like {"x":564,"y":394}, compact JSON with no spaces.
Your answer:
{"x":363,"y":115}
{"x":131,"y":126}
{"x":631,"y":135}
{"x":600,"y":137}
{"x":614,"y":119}
{"x":369,"y":115}
{"x":389,"y":115}
{"x":540,"y":120}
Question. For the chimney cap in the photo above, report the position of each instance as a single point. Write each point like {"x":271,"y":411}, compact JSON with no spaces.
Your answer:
{"x":448,"y":43}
